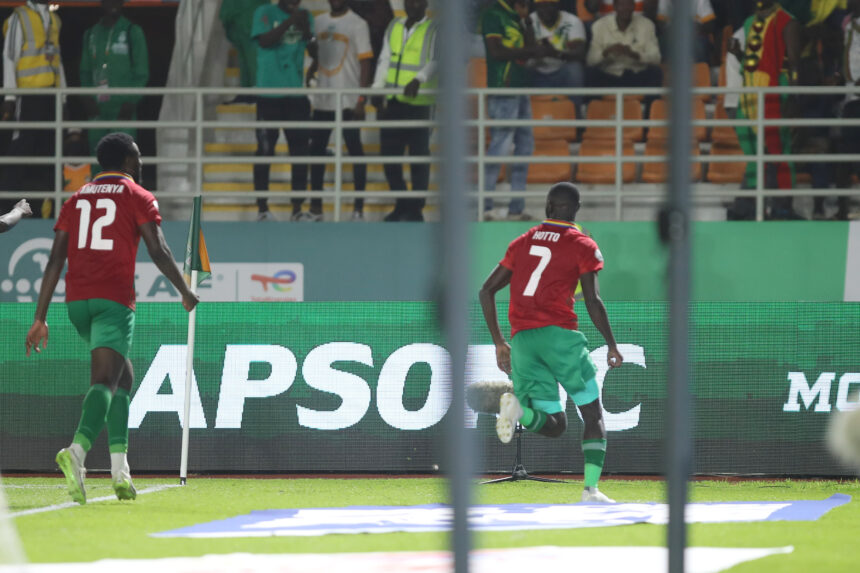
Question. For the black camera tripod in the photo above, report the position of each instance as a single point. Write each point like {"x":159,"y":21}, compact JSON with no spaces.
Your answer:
{"x":519,"y":472}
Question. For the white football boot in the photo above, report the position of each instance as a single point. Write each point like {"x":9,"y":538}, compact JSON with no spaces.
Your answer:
{"x":510,"y":413}
{"x":74,"y":471}
{"x":594,"y":495}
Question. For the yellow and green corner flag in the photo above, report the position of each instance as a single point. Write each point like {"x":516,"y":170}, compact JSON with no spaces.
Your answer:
{"x":196,"y":255}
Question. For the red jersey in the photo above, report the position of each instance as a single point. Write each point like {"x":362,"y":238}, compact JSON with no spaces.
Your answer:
{"x":547,"y":262}
{"x":103,"y":220}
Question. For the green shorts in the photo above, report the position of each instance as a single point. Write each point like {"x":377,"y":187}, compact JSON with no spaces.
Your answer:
{"x":543,"y":358}
{"x":103,"y":323}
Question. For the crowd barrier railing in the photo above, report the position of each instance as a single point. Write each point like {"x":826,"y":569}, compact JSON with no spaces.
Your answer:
{"x":196,"y":159}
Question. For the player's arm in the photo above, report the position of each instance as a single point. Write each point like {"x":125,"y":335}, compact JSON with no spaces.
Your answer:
{"x":160,"y":253}
{"x":597,"y":312}
{"x":498,"y":279}
{"x":10,"y":219}
{"x":38,"y":332}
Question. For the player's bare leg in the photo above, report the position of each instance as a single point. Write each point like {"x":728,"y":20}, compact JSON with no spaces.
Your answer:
{"x":117,"y":425}
{"x":106,"y":367}
{"x":594,"y":451}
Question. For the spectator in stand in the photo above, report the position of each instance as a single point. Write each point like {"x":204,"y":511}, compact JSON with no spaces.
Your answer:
{"x":624,"y":50}
{"x":603,"y":7}
{"x":283,"y":32}
{"x":705,"y":27}
{"x":769,"y":53}
{"x":31,"y":59}
{"x":237,"y":17}
{"x":344,"y":61}
{"x":378,"y":14}
{"x":509,"y":41}
{"x":408,"y":63}
{"x":566,"y":34}
{"x":821,"y":65}
{"x":114,"y":56}
{"x":849,"y":142}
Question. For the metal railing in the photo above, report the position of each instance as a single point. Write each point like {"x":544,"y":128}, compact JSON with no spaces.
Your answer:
{"x":617,"y":193}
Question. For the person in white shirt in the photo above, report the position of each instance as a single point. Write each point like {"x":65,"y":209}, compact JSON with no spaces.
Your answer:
{"x":344,"y":60}
{"x":706,"y":22}
{"x":566,"y":34}
{"x":604,"y":7}
{"x":32,"y":23}
{"x":624,"y":50}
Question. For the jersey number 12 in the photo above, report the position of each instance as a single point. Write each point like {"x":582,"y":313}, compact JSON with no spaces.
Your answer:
{"x":545,"y":255}
{"x":97,"y":243}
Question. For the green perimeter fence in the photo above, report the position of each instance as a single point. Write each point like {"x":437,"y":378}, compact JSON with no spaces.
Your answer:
{"x":362,"y":387}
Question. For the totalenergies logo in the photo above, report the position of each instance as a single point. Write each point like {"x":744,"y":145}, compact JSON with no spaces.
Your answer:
{"x":279,"y":281}
{"x":26,"y":267}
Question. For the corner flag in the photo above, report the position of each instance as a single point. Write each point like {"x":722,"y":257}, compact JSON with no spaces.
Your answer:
{"x":196,"y":255}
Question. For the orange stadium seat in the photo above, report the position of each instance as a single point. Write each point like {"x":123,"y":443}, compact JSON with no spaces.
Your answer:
{"x":554,"y":108}
{"x":582,"y":12}
{"x":726,"y":172}
{"x":604,"y":109}
{"x":550,"y":172}
{"x":659,"y":172}
{"x":603,"y":173}
{"x":724,"y":135}
{"x":659,"y":110}
{"x":702,"y":79}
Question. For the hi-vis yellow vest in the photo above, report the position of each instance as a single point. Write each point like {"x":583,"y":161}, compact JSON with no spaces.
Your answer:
{"x":39,"y":63}
{"x":407,"y":60}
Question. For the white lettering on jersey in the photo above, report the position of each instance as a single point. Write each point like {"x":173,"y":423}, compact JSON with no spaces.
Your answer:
{"x":101,"y":189}
{"x":546,"y":236}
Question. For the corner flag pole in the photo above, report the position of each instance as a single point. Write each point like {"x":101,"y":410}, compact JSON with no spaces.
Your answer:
{"x":196,"y":270}
{"x":189,"y":371}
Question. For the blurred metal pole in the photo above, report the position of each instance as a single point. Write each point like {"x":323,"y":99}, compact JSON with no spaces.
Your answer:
{"x":677,"y":233}
{"x":454,"y":240}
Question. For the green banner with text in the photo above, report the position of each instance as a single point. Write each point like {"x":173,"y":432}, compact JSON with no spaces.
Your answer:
{"x":363,"y":387}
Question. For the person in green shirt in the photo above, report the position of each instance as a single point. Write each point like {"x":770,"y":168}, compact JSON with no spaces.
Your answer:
{"x":509,"y":41}
{"x":237,"y":17}
{"x":283,"y":34}
{"x":114,"y":56}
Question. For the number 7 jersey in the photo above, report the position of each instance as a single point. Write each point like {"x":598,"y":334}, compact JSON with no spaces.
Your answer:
{"x":546,"y":263}
{"x":103,"y":220}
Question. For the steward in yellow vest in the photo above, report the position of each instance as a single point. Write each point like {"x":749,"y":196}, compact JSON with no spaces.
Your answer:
{"x":408,"y":63}
{"x":38,"y":64}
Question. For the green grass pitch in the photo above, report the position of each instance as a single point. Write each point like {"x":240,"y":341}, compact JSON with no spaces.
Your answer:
{"x":113,"y":529}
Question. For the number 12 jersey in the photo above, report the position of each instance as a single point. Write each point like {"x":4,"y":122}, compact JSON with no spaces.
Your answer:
{"x":103,"y":220}
{"x":547,"y":262}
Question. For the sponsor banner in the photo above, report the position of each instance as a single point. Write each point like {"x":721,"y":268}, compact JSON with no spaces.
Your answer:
{"x":365,"y":387}
{"x":230,"y":282}
{"x":731,"y":261}
{"x":605,"y":559}
{"x":511,"y":517}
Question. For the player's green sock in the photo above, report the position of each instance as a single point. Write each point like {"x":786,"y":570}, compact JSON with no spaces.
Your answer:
{"x":117,"y":422}
{"x":594,"y":452}
{"x":93,"y":414}
{"x":532,"y":420}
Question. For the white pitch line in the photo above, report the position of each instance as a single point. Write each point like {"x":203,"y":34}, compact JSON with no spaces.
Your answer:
{"x":95,"y":499}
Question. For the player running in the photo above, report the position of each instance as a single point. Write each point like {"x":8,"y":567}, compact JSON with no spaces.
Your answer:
{"x":99,"y":229}
{"x":543,"y":267}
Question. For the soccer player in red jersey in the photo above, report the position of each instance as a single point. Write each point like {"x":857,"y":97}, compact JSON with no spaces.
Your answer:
{"x":98,"y":230}
{"x":543,"y":267}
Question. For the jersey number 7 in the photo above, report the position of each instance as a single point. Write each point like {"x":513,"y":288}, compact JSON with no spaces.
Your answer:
{"x":545,"y":255}
{"x":97,"y":243}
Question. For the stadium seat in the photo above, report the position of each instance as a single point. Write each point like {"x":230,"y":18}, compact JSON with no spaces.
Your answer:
{"x":724,"y":135}
{"x":659,"y":172}
{"x":702,"y":79}
{"x":726,"y":172}
{"x":603,"y":173}
{"x":582,"y":12}
{"x":659,"y":110}
{"x":603,"y":109}
{"x":550,"y":172}
{"x":553,"y":108}
{"x":477,"y":73}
